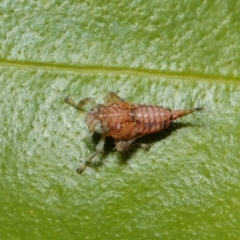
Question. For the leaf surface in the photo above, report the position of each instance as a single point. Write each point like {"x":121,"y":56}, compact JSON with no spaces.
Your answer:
{"x":170,"y":53}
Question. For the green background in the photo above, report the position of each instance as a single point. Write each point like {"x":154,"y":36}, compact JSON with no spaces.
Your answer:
{"x":173,"y":53}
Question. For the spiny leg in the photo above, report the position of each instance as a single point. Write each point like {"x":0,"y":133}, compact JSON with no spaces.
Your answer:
{"x":145,"y":146}
{"x":123,"y":146}
{"x":112,"y":97}
{"x":99,"y":148}
{"x":81,"y":103}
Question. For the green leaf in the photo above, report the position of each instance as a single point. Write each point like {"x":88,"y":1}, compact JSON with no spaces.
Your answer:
{"x":170,"y":53}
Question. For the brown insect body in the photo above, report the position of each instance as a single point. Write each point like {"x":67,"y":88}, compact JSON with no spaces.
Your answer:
{"x":125,"y":122}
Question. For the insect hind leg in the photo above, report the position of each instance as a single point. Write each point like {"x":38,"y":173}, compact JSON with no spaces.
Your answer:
{"x":123,"y":146}
{"x":81,"y":103}
{"x":145,"y":146}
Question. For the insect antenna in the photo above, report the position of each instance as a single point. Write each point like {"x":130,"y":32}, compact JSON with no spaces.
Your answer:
{"x":112,"y":89}
{"x":172,"y":103}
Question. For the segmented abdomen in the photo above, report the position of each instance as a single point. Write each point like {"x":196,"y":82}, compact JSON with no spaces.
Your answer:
{"x":151,"y":118}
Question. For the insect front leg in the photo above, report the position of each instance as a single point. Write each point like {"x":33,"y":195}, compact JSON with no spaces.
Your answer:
{"x":81,"y":103}
{"x":99,"y":148}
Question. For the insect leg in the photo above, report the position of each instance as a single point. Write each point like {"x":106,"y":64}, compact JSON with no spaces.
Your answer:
{"x":145,"y":146}
{"x":99,"y":148}
{"x":81,"y":103}
{"x":123,"y":146}
{"x":112,"y":97}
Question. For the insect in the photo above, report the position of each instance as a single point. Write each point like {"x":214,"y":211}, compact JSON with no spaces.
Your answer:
{"x":124,"y":122}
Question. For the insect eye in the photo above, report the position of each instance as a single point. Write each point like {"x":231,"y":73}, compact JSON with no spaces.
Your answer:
{"x":101,"y":128}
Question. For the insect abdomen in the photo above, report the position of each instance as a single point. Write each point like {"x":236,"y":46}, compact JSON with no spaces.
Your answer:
{"x":152,"y":119}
